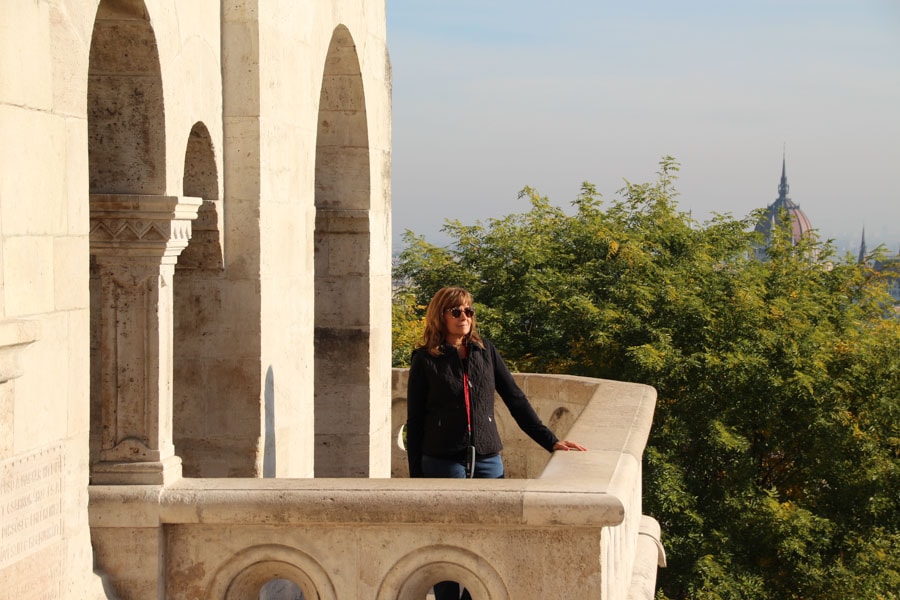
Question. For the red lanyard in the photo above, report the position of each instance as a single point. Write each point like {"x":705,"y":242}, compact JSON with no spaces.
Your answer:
{"x":468,"y":405}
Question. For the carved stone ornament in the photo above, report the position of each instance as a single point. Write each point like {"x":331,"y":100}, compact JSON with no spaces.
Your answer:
{"x":141,"y":226}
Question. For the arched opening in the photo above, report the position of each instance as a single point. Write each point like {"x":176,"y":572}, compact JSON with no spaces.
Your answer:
{"x":197,"y":293}
{"x":271,"y":580}
{"x":201,"y":180}
{"x":271,"y":572}
{"x":126,"y":129}
{"x":447,"y":590}
{"x":281,"y":589}
{"x":342,"y":257}
{"x":423,"y":571}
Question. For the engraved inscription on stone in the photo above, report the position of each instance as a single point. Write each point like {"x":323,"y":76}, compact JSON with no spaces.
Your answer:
{"x":30,"y":504}
{"x":39,"y":577}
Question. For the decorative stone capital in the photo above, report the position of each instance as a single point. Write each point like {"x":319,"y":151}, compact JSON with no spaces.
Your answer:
{"x":141,"y":226}
{"x":15,"y":335}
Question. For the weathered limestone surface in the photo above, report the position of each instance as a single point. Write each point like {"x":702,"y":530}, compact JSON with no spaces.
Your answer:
{"x":159,"y":168}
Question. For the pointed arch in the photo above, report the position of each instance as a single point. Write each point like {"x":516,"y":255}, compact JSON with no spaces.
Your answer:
{"x":197,"y":293}
{"x":126,"y":125}
{"x":201,"y":180}
{"x":342,"y":273}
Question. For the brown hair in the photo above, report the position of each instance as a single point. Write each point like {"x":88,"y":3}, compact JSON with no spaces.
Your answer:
{"x":448,"y":297}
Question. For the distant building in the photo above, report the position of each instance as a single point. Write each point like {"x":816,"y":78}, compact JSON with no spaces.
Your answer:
{"x":800,"y":225}
{"x":889,"y":265}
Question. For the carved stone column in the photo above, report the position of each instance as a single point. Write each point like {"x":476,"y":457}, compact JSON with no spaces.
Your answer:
{"x":135,"y":243}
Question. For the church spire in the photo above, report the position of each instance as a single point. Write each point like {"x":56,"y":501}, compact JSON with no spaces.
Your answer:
{"x":783,"y":187}
{"x":861,"y":259}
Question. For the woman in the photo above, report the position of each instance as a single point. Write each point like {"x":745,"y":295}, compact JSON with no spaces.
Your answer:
{"x":450,"y":425}
{"x":451,"y":429}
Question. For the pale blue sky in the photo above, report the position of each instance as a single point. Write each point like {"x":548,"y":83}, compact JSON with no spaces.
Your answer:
{"x":491,"y":96}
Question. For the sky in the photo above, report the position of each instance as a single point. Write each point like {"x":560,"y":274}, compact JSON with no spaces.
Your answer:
{"x":492,"y":96}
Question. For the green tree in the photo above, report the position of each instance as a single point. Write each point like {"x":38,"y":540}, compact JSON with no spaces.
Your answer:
{"x":774,"y":461}
{"x":408,"y":325}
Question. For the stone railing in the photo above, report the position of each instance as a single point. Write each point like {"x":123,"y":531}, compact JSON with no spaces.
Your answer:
{"x":575,"y":530}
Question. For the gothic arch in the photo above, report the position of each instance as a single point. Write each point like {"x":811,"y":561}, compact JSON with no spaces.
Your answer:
{"x":126,"y":126}
{"x":342,"y":273}
{"x":197,"y":314}
{"x":201,"y":180}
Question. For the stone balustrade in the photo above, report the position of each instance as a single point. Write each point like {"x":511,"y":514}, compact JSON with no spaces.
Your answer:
{"x":568,"y":527}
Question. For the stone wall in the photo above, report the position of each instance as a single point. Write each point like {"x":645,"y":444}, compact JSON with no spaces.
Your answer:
{"x":161,"y":167}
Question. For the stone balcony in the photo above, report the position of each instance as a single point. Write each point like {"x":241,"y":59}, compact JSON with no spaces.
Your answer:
{"x":568,"y":527}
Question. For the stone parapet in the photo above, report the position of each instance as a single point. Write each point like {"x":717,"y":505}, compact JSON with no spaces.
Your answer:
{"x":575,"y":530}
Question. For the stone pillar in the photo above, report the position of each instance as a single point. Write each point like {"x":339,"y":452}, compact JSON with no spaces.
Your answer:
{"x":135,"y":243}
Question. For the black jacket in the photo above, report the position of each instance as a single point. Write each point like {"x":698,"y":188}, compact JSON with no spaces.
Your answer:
{"x":436,"y":407}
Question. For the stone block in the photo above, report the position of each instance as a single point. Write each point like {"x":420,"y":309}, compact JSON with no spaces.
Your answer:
{"x":337,"y":128}
{"x":282,"y":143}
{"x":75,"y":205}
{"x":70,"y":265}
{"x":240,"y":66}
{"x":219,"y":456}
{"x":347,"y":253}
{"x":33,"y":202}
{"x":239,"y":11}
{"x":343,"y":303}
{"x":25,"y":68}
{"x":343,"y":407}
{"x":132,"y":46}
{"x":46,"y":364}
{"x":131,"y":559}
{"x":28,"y":275}
{"x":342,"y":455}
{"x":233,"y":399}
{"x":77,"y":381}
{"x":342,"y":177}
{"x":70,"y":35}
{"x":7,"y":419}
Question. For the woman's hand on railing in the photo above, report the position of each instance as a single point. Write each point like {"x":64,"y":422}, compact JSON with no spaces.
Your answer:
{"x":566,"y":445}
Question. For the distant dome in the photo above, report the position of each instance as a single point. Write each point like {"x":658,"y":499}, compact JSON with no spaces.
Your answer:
{"x":800,"y":225}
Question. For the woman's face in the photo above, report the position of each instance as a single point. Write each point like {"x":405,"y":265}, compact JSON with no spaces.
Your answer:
{"x":461,"y":324}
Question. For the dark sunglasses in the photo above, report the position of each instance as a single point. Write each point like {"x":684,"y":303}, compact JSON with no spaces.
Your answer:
{"x":456,"y":312}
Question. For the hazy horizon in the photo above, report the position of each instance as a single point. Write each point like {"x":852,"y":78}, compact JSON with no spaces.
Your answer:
{"x":489,"y":97}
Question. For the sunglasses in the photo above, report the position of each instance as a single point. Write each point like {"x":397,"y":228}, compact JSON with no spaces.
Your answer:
{"x":456,"y":312}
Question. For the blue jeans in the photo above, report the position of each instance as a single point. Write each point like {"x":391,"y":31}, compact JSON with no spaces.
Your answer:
{"x":485,"y":468}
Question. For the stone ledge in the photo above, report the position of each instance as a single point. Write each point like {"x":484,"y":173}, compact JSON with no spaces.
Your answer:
{"x":15,"y":335}
{"x":355,"y":501}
